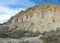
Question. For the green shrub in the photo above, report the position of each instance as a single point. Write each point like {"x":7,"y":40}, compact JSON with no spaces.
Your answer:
{"x":17,"y":33}
{"x":24,"y":41}
{"x":51,"y":37}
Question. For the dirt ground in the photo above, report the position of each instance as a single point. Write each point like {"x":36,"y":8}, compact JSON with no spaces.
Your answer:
{"x":24,"y":39}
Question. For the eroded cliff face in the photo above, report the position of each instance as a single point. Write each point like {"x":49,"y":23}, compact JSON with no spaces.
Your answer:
{"x":38,"y":18}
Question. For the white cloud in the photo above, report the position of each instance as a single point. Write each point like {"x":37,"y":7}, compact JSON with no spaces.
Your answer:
{"x":6,"y":13}
{"x":16,"y":2}
{"x":8,"y":2}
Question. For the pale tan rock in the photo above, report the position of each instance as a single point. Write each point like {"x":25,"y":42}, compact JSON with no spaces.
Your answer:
{"x":38,"y":18}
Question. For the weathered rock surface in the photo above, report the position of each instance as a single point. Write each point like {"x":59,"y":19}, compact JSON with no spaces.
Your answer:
{"x":38,"y":18}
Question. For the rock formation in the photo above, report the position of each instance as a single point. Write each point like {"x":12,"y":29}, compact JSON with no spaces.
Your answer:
{"x":38,"y":18}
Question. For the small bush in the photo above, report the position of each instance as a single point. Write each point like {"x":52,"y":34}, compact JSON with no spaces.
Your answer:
{"x":17,"y":33}
{"x":51,"y":37}
{"x":24,"y":41}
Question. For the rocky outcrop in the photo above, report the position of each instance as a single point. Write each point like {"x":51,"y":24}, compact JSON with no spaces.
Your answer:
{"x":38,"y":18}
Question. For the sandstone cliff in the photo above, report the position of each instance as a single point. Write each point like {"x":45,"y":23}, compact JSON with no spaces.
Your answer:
{"x":38,"y":18}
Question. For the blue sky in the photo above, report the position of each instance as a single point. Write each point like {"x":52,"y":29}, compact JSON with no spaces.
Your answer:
{"x":9,"y":8}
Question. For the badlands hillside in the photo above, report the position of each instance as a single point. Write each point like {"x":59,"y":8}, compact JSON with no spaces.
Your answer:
{"x":38,"y":24}
{"x":40,"y":18}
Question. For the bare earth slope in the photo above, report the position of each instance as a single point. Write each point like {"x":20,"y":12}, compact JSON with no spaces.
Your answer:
{"x":38,"y":18}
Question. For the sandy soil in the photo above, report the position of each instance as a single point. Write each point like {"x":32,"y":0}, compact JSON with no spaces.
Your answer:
{"x":24,"y":39}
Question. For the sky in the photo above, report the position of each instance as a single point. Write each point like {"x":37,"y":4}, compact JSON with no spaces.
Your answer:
{"x":9,"y":8}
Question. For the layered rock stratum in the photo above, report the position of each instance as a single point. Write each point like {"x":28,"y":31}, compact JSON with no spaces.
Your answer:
{"x":40,"y":18}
